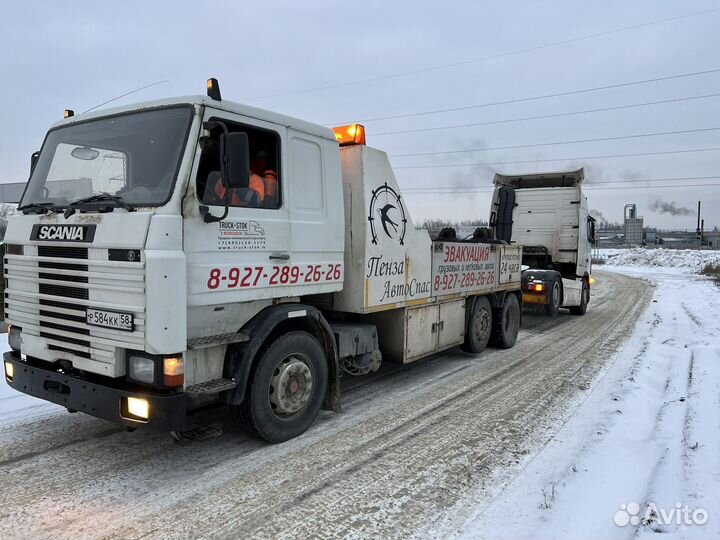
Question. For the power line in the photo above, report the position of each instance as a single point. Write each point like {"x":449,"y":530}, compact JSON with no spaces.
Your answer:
{"x":616,"y":138}
{"x":534,"y":98}
{"x":485,"y":58}
{"x":545,"y":116}
{"x":600,"y":188}
{"x":576,"y":158}
{"x":125,"y":94}
{"x":442,"y":189}
{"x":608,"y":184}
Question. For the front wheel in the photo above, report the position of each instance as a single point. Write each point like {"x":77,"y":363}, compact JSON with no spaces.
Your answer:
{"x":554,"y":298}
{"x":286,"y":390}
{"x":584,"y":299}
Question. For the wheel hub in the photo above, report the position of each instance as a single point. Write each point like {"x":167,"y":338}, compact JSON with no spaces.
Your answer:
{"x":482,"y":326}
{"x":291,"y":385}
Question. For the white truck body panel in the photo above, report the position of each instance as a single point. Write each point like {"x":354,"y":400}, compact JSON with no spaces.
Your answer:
{"x":548,"y":217}
{"x":459,"y":267}
{"x":571,"y":292}
{"x":387,"y":260}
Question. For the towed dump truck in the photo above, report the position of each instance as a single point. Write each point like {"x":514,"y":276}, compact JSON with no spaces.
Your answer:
{"x":547,"y":214}
{"x":177,"y":256}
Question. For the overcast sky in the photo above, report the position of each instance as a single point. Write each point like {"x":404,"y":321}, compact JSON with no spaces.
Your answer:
{"x":58,"y":55}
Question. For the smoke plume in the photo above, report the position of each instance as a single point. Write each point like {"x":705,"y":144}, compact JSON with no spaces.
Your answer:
{"x":598,"y":215}
{"x":662,"y":207}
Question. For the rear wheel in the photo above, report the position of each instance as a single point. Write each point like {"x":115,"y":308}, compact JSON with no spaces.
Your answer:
{"x":584,"y":299}
{"x":507,"y":323}
{"x":554,"y":298}
{"x":479,"y":327}
{"x":286,"y":390}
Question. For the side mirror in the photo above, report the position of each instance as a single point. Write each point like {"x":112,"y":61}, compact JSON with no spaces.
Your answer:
{"x":235,"y":156}
{"x":34,"y":161}
{"x":591,"y":230}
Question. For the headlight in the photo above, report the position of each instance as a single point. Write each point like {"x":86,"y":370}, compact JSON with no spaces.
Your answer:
{"x":141,"y":369}
{"x":15,"y":337}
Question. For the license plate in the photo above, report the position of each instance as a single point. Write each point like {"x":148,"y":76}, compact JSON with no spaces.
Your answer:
{"x":110,"y":319}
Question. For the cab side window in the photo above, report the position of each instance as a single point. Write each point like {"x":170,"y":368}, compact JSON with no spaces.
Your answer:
{"x":263,"y":190}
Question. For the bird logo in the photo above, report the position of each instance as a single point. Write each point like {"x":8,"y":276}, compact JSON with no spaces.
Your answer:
{"x":386,"y":206}
{"x":386,"y":220}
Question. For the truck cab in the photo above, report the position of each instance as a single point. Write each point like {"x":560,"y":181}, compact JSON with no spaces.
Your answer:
{"x":548,"y":215}
{"x":139,"y":284}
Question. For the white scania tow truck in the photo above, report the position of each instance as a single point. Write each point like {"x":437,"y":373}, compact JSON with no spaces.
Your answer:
{"x":179,"y":255}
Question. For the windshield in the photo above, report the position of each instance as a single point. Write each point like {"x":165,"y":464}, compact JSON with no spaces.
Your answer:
{"x":134,"y":156}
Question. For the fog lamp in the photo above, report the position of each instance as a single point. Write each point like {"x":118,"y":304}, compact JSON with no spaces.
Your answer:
{"x":138,"y":408}
{"x":9,"y":371}
{"x":141,"y":369}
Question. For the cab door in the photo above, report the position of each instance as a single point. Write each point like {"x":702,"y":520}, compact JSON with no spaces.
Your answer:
{"x":317,"y":213}
{"x":246,"y":256}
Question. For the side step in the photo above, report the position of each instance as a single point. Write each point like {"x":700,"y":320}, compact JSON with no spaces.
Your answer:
{"x":220,"y":339}
{"x":211,"y":387}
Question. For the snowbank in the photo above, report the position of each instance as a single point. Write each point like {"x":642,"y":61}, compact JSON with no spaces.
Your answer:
{"x":685,"y":259}
{"x":639,"y":455}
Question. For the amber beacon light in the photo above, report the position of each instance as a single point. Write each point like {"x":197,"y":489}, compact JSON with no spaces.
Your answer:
{"x":350,"y":134}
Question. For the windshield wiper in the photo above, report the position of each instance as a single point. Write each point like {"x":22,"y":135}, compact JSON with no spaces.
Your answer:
{"x":100,"y":197}
{"x":43,"y":207}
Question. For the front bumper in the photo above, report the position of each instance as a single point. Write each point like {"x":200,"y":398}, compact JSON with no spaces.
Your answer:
{"x":168,"y":412}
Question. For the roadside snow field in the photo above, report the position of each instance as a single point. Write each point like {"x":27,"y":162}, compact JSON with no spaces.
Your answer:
{"x":641,"y":453}
{"x":681,"y":259}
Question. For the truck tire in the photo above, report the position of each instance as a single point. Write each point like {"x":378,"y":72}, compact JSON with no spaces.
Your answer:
{"x":479,"y":326}
{"x":554,"y":298}
{"x":506,"y":324}
{"x":584,"y":299}
{"x":286,"y":389}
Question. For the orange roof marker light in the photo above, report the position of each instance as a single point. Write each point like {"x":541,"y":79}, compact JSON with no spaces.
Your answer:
{"x":350,"y":135}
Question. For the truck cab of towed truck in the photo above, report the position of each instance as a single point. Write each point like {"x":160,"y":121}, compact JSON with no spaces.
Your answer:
{"x":128,"y":275}
{"x":548,"y":215}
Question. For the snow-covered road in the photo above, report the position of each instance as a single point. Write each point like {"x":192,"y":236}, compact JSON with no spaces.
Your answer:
{"x":417,"y":451}
{"x":644,"y":442}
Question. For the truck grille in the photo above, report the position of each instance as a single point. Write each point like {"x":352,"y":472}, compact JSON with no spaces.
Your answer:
{"x":50,"y":287}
